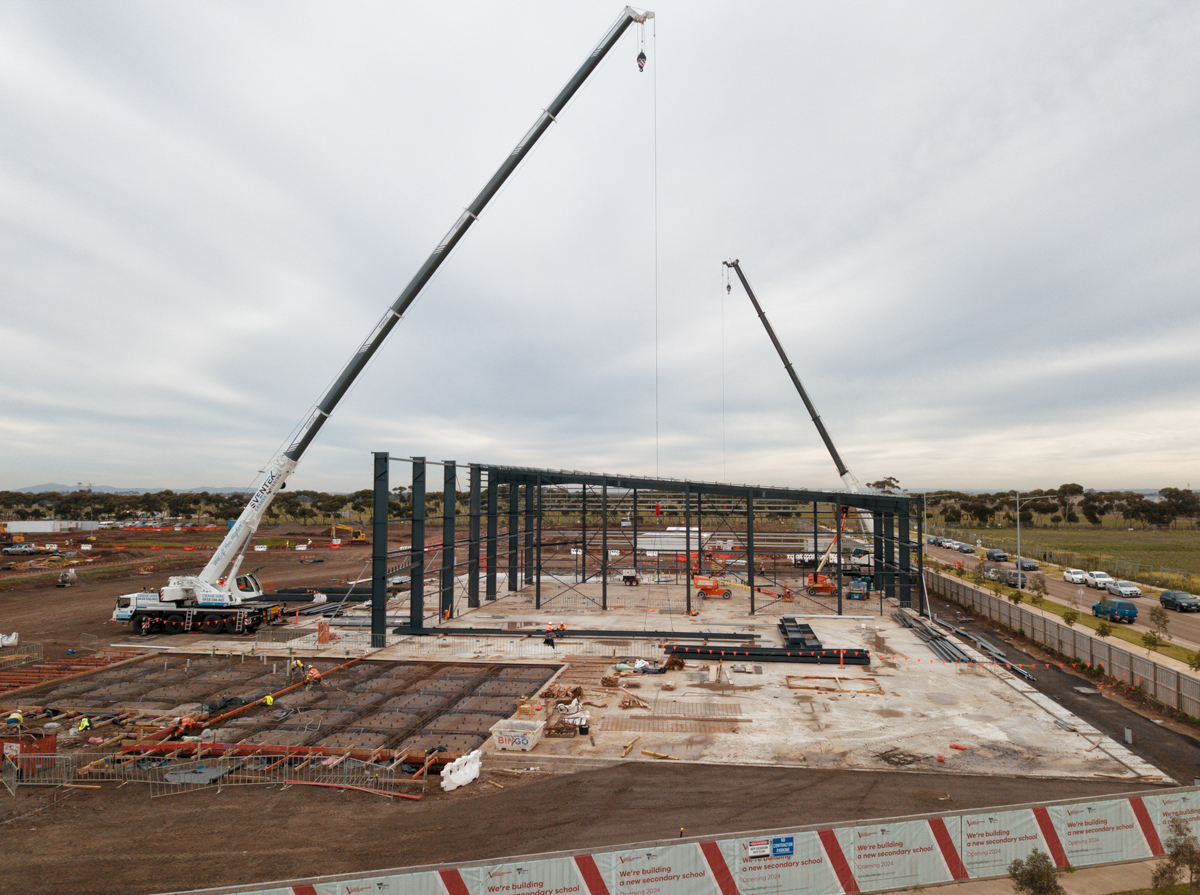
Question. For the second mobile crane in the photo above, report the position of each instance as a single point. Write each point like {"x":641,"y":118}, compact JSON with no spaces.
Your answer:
{"x":221,"y":599}
{"x":848,"y":478}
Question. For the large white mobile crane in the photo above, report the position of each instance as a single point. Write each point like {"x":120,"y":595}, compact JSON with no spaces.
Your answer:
{"x":221,"y":599}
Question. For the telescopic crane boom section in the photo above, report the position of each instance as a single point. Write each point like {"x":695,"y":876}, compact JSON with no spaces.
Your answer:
{"x":228,"y":555}
{"x":843,"y":470}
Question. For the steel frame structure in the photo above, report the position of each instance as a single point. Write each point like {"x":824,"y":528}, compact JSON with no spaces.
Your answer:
{"x":538,"y":502}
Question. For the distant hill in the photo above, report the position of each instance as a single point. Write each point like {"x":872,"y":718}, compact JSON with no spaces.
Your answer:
{"x":106,"y":489}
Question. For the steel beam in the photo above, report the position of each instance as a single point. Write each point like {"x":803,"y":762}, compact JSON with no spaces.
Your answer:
{"x":687,"y":546}
{"x":537,"y":568}
{"x":905,"y":559}
{"x":750,"y":546}
{"x":529,"y":524}
{"x":604,"y":545}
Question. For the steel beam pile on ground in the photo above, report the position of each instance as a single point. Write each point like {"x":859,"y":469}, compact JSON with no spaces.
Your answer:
{"x":944,"y":648}
{"x":771,"y":654}
{"x":999,"y":656}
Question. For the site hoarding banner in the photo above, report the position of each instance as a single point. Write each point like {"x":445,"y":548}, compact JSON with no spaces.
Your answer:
{"x":1098,"y":833}
{"x":873,"y":856}
{"x":994,"y":839}
{"x":1178,"y":804}
{"x":786,"y":864}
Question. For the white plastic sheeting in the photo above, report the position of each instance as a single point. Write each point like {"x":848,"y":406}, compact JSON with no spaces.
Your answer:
{"x":461,"y":771}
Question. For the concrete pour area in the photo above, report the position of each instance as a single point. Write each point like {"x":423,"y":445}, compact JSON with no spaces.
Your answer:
{"x":907,"y":710}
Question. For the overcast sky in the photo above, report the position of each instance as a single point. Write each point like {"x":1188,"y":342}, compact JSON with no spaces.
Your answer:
{"x":974,"y":226}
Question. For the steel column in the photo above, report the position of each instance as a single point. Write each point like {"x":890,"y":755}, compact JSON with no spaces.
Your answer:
{"x":379,"y":552}
{"x":636,"y":564}
{"x":416,"y":565}
{"x":473,"y":540}
{"x":905,"y":559}
{"x":529,"y":532}
{"x":750,"y":546}
{"x":449,"y":501}
{"x":604,"y":545}
{"x":583,"y":550}
{"x":687,"y":543}
{"x":924,"y":610}
{"x":837,"y":514}
{"x":514,"y":552}
{"x":877,"y":556}
{"x":699,"y":533}
{"x":889,"y":555}
{"x":537,"y":570}
{"x":493,"y":508}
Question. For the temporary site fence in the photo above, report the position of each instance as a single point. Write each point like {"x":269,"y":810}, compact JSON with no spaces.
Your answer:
{"x":1167,"y":685}
{"x":21,"y":655}
{"x":873,"y":855}
{"x":165,"y":775}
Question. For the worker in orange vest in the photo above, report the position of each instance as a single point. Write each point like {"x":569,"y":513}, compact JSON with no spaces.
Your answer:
{"x":313,"y":676}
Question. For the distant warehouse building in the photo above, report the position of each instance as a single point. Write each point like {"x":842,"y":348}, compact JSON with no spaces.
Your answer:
{"x":50,"y":526}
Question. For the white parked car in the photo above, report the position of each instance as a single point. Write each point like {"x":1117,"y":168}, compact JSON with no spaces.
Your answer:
{"x":1097,"y":579}
{"x":1123,"y":589}
{"x":1075,"y":576}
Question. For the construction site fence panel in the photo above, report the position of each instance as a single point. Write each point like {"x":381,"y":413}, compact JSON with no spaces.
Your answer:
{"x":1167,"y":685}
{"x":875,"y":855}
{"x":21,"y":655}
{"x":169,"y":776}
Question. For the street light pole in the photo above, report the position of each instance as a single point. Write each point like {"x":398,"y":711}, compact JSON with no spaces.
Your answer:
{"x":1039,"y":497}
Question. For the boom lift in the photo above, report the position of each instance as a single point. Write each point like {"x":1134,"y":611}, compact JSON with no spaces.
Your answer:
{"x":218,"y":585}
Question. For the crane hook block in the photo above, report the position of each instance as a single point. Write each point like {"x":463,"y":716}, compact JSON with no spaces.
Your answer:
{"x":641,"y":60}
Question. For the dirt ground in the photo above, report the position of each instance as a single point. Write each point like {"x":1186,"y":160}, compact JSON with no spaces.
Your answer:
{"x":120,"y":840}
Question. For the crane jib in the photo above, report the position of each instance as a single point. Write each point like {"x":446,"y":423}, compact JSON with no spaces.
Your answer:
{"x":238,"y":536}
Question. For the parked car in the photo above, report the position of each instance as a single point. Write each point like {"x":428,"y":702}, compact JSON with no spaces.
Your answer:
{"x":21,"y":550}
{"x":1179,"y":600}
{"x":1097,"y":579}
{"x":1027,"y":565}
{"x":934,"y":541}
{"x":1123,"y":589}
{"x":997,"y":556}
{"x":965,"y":548}
{"x":1115,"y":610}
{"x":1074,"y":576}
{"x":992,"y":574}
{"x":1011,"y":577}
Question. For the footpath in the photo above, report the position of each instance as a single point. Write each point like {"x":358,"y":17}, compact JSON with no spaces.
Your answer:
{"x":1085,"y":881}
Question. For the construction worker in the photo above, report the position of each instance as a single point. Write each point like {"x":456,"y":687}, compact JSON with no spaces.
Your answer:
{"x":268,"y":700}
{"x":548,"y":640}
{"x":84,"y":724}
{"x":313,"y":677}
{"x":16,"y":719}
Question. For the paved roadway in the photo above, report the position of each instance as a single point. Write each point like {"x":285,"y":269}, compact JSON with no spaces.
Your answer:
{"x":1184,"y":628}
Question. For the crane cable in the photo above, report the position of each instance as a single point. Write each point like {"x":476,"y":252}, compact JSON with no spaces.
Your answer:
{"x":654,"y":77}
{"x":728,"y":288}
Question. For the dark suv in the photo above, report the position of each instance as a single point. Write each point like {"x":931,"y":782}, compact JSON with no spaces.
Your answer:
{"x":997,"y":556}
{"x":1027,"y":565}
{"x":1179,"y":601}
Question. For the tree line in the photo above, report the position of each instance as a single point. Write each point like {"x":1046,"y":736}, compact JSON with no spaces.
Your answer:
{"x":1068,"y":503}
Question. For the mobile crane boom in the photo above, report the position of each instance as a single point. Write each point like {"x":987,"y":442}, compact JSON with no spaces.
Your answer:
{"x":217,"y":584}
{"x":848,"y":478}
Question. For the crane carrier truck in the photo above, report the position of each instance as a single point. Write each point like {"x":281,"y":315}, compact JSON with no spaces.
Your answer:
{"x":219,"y":599}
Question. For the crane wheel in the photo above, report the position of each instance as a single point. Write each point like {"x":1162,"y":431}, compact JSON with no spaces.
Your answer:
{"x":726,"y":594}
{"x":812,"y":591}
{"x":213,"y":624}
{"x":231,"y":626}
{"x":173,"y":624}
